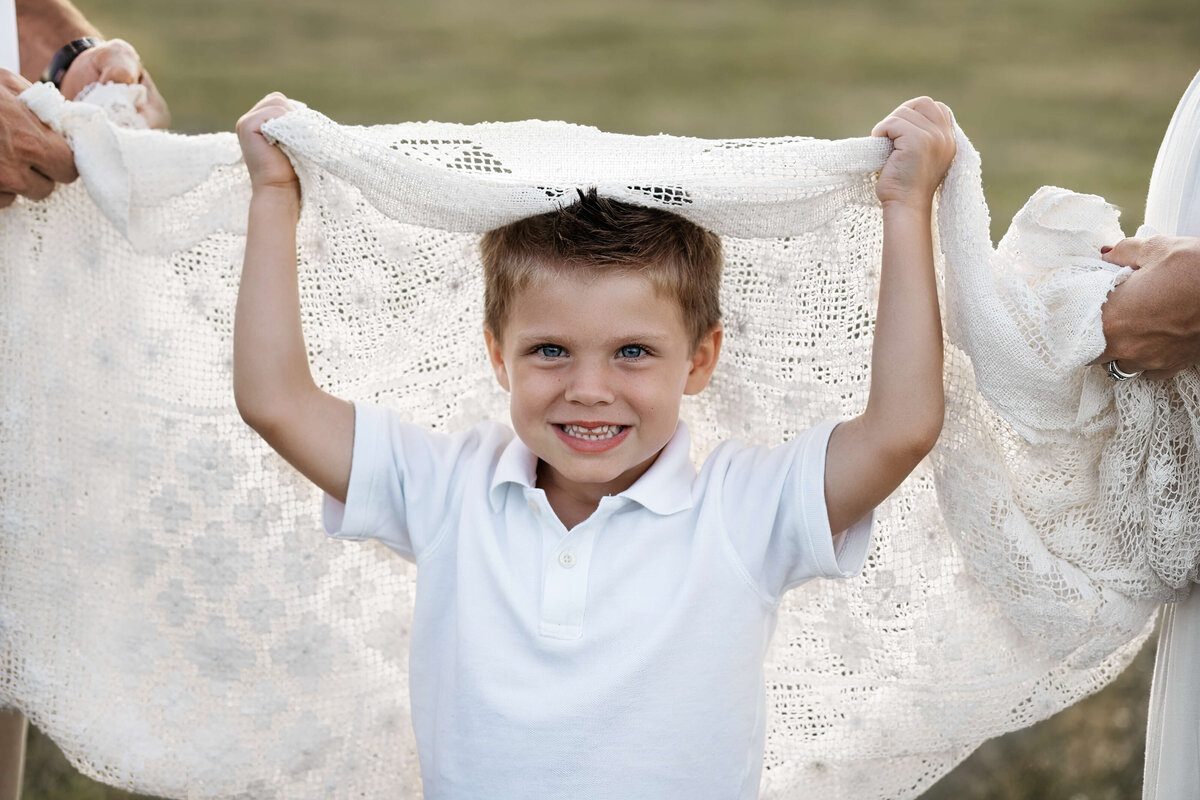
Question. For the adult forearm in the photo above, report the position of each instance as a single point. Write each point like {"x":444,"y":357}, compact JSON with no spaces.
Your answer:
{"x":270,"y":362}
{"x":907,"y":400}
{"x":43,"y":26}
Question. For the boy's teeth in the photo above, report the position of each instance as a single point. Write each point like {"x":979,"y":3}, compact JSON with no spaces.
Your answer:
{"x":599,"y":432}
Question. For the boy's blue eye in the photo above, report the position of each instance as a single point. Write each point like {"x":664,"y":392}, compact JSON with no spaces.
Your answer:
{"x":632,"y":351}
{"x":550,"y":351}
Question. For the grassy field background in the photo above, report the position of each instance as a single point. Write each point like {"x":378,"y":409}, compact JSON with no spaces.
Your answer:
{"x":1075,"y":93}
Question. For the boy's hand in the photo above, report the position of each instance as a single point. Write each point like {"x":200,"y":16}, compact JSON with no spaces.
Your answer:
{"x":269,"y":167}
{"x":922,"y":134}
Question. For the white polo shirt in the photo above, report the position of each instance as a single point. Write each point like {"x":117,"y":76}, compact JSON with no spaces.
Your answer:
{"x":620,"y":659}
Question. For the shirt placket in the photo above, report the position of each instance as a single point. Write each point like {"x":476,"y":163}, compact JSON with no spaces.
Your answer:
{"x":565,"y":570}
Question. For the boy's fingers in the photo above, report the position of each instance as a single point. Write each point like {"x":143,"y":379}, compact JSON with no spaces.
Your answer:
{"x":268,"y":114}
{"x":919,"y":115}
{"x":893,"y":128}
{"x":895,"y":123}
{"x":923,"y":104}
{"x":904,"y":120}
{"x":252,"y":121}
{"x":929,"y":114}
{"x":884,"y":123}
{"x":274,"y":100}
{"x":928,"y":117}
{"x":926,"y":107}
{"x":897,"y":113}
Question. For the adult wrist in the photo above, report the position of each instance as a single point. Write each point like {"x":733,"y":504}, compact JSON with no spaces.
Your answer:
{"x":64,"y":57}
{"x":1112,"y":318}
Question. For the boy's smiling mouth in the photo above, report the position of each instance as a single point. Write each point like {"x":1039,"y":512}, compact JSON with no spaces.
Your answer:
{"x":591,"y":437}
{"x":592,"y":432}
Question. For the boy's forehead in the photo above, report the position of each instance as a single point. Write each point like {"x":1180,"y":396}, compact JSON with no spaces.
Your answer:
{"x":550,"y":284}
{"x":615,"y":289}
{"x":622,"y":302}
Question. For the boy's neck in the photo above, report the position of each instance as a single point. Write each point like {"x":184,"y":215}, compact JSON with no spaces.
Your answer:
{"x":574,"y":502}
{"x":570,"y":510}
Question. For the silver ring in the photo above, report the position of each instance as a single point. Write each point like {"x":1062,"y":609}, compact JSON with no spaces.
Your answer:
{"x":1115,"y":373}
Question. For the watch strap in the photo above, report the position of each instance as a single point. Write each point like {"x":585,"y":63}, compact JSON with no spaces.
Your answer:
{"x":56,"y":70}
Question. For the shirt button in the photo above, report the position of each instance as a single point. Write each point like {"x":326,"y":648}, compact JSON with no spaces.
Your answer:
{"x":566,"y":559}
{"x":534,"y":507}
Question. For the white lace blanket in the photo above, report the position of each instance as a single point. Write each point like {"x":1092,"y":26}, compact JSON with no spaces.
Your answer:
{"x":171,"y":614}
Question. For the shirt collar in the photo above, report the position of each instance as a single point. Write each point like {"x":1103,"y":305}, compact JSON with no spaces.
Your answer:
{"x":517,"y":465}
{"x":665,"y":488}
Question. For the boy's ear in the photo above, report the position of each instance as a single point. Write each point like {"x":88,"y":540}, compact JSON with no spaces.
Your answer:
{"x":496,"y":356}
{"x":704,"y":361}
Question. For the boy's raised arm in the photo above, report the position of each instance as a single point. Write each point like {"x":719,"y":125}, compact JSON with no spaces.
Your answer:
{"x":272,"y":382}
{"x":870,"y":455}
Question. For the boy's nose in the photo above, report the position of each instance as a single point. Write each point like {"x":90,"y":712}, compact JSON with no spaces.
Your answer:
{"x":589,"y":386}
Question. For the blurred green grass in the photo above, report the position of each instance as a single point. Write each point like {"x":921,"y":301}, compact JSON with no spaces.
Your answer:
{"x":1074,"y":93}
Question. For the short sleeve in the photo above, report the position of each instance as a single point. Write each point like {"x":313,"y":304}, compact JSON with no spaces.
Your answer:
{"x":773,"y":503}
{"x":404,"y":479}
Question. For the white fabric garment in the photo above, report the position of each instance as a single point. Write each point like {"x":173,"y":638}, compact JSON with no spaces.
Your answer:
{"x":10,"y":54}
{"x":622,"y":658}
{"x":1173,"y":728}
{"x":171,"y":615}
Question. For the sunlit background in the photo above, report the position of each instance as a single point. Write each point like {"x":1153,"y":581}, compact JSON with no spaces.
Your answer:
{"x":1074,"y":93}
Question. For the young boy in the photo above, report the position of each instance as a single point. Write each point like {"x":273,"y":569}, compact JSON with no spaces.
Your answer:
{"x":592,"y":615}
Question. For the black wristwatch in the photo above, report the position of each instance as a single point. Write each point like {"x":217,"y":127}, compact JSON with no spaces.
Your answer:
{"x":56,"y":70}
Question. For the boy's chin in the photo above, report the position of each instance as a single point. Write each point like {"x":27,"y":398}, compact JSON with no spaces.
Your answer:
{"x":584,"y":474}
{"x":611,"y":474}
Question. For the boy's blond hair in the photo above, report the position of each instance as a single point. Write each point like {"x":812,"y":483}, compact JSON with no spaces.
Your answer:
{"x":595,"y":234}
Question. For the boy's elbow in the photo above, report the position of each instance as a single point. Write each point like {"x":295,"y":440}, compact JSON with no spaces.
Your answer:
{"x":250,"y":413}
{"x":931,"y":437}
{"x":907,"y":442}
{"x":276,"y":413}
{"x":260,"y":416}
{"x":922,"y":436}
{"x":264,"y":399}
{"x":904,"y":436}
